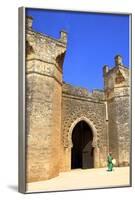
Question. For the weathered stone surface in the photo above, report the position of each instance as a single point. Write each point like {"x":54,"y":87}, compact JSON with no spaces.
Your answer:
{"x":117,"y":92}
{"x":53,"y":109}
{"x":44,"y":60}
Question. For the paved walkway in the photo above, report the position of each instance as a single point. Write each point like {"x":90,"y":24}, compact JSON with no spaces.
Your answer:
{"x":83,"y":179}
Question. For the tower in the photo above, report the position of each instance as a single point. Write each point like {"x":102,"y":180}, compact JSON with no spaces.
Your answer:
{"x":44,"y":61}
{"x":117,"y":94}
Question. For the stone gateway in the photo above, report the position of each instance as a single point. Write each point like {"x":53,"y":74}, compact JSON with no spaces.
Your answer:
{"x":69,"y":127}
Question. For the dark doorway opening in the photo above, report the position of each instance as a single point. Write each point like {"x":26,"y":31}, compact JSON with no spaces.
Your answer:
{"x":82,"y":151}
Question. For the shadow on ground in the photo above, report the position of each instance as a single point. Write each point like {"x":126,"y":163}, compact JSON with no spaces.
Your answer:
{"x":13,"y":187}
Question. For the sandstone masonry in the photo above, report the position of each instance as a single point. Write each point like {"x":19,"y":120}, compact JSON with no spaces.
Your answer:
{"x":54,"y":108}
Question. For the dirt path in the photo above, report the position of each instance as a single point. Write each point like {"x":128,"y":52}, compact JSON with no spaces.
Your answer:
{"x":80,"y":179}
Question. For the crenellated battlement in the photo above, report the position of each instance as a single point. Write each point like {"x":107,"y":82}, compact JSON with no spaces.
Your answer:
{"x":29,"y":28}
{"x":116,"y":79}
{"x":82,"y":92}
{"x":54,"y":108}
{"x":43,"y":48}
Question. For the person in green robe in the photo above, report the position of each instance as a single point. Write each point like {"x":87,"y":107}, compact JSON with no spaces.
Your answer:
{"x":109,"y":162}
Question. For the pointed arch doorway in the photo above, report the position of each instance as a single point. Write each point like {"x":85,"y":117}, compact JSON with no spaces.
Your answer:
{"x":82,"y":153}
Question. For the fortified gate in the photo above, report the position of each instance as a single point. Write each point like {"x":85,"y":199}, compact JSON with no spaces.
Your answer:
{"x":69,"y":127}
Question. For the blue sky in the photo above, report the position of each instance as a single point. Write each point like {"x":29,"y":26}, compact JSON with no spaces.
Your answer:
{"x":93,"y":41}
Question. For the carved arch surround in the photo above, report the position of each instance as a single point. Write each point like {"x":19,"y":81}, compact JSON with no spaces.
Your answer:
{"x":91,"y":125}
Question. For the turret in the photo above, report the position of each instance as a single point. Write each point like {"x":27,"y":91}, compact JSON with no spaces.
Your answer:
{"x":44,"y":64}
{"x":105,"y":70}
{"x":63,"y":36}
{"x":118,"y":60}
{"x":117,"y":93}
{"x":29,"y":22}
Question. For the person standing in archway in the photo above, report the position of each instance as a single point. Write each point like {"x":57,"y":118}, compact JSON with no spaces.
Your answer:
{"x":109,"y":162}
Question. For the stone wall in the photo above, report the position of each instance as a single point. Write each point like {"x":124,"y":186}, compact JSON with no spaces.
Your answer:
{"x":117,"y":94}
{"x":119,"y":129}
{"x":124,"y":130}
{"x":44,"y":60}
{"x":77,"y":103}
{"x":53,"y":109}
{"x":39,"y":127}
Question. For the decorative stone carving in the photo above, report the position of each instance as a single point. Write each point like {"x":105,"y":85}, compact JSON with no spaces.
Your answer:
{"x":68,"y":137}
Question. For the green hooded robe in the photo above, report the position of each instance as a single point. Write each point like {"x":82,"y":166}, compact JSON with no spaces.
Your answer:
{"x":109,"y":163}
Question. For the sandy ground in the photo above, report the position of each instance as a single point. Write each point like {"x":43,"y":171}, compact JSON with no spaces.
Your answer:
{"x":83,"y":179}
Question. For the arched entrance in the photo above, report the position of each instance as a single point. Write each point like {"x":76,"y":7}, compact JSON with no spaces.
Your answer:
{"x":82,"y":153}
